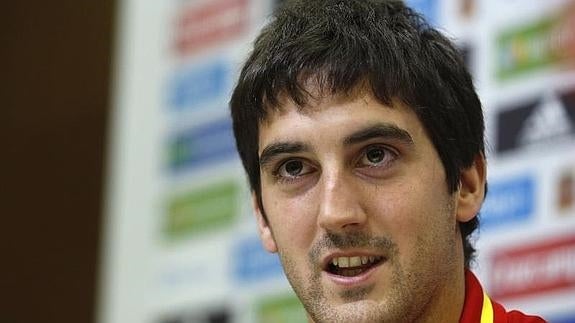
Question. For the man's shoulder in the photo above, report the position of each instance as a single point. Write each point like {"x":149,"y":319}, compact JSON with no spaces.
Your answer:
{"x":500,"y":315}
{"x":479,"y":307}
{"x":518,"y":317}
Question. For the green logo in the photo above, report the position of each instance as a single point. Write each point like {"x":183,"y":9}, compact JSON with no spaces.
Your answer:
{"x":284,"y":308}
{"x":203,"y":209}
{"x":538,"y":45}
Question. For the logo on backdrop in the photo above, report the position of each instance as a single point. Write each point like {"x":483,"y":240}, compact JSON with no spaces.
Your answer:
{"x":209,"y":143}
{"x":281,"y":308}
{"x":253,"y":263}
{"x":196,"y":86}
{"x":536,"y":45}
{"x":428,"y":8}
{"x":537,"y":123}
{"x":206,"y":208}
{"x":533,"y":268}
{"x":215,"y":21}
{"x":565,"y":191}
{"x":467,"y":8}
{"x":509,"y":201}
{"x":564,"y":319}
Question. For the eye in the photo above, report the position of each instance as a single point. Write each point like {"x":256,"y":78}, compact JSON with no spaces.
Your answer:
{"x":377,"y":156}
{"x":293,"y":169}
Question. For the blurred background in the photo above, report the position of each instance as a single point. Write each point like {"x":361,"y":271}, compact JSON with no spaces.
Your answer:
{"x":123,"y":199}
{"x":55,"y":67}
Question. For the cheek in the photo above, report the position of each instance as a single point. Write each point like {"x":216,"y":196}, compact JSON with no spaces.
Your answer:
{"x":292,"y":219}
{"x":407,"y":212}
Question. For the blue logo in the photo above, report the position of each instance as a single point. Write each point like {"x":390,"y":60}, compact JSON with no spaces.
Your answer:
{"x":209,"y":143}
{"x":509,"y":201}
{"x":428,"y":8}
{"x":197,"y":85}
{"x":565,"y":319}
{"x":253,"y":263}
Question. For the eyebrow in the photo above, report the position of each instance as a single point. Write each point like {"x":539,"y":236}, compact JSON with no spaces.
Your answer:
{"x":379,"y":130}
{"x":279,"y":148}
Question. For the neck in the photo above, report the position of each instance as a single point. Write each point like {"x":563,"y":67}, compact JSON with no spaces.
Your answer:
{"x":447,"y":306}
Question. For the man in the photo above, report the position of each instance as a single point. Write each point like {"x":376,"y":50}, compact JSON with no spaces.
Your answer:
{"x":362,"y":137}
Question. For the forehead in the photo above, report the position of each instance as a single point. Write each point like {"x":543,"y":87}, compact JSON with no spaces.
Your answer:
{"x":331,"y":117}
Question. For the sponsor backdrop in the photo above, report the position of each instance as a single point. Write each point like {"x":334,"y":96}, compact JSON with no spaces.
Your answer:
{"x":181,"y":243}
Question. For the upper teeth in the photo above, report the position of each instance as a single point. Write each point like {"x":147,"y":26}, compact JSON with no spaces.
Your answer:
{"x":345,"y":262}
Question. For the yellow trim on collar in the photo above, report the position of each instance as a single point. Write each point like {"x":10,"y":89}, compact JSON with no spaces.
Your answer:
{"x":487,"y":310}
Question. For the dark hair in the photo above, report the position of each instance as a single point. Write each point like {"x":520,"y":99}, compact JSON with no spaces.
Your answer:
{"x":381,"y":45}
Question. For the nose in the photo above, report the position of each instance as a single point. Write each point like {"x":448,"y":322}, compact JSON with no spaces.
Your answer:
{"x":340,"y":205}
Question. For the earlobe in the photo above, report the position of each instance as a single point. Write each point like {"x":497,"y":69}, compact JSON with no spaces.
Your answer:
{"x":472,"y":189}
{"x":264,"y":229}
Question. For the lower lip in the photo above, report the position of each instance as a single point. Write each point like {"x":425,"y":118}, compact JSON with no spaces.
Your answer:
{"x":354,"y":280}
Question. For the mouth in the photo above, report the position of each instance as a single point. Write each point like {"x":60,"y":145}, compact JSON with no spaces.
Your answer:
{"x":354,"y":266}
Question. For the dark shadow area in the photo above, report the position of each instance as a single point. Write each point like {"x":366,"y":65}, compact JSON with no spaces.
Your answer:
{"x":55,"y":63}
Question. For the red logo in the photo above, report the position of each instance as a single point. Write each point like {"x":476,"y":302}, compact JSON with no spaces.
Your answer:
{"x":533,"y":269}
{"x":216,"y":21}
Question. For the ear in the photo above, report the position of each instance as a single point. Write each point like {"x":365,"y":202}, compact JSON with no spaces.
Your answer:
{"x":471,"y":189}
{"x":264,"y":229}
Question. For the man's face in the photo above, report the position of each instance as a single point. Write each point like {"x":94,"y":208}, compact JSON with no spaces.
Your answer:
{"x":358,"y":209}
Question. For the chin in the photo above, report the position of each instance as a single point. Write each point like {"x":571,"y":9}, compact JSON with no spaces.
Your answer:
{"x":361,"y":311}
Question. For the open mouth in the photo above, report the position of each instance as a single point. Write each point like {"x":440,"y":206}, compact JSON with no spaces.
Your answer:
{"x":352,"y":266}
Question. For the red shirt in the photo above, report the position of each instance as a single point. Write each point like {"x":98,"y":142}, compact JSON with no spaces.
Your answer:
{"x":479,"y":308}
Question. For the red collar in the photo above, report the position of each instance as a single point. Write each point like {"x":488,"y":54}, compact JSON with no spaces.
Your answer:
{"x":477,"y":307}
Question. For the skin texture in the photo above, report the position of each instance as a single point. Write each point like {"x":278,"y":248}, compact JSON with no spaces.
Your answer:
{"x":348,"y":176}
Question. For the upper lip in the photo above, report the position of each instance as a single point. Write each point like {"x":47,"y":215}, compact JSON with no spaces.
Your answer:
{"x":326,"y":260}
